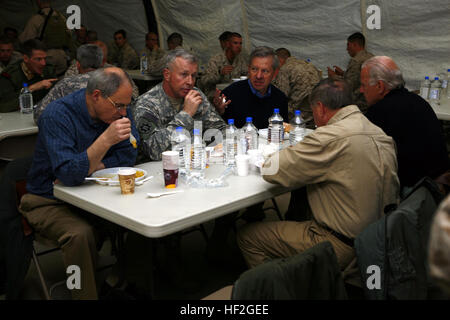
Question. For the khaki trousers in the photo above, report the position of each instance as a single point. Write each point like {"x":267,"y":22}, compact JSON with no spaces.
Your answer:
{"x":65,"y":224}
{"x":270,"y":240}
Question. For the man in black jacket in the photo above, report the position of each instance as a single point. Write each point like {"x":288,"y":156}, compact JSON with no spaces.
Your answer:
{"x":407,"y":118}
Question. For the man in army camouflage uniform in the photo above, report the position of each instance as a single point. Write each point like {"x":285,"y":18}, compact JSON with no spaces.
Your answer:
{"x":225,"y":66}
{"x":356,"y":50}
{"x":7,"y":54}
{"x":74,"y":71}
{"x":173,"y":103}
{"x":121,"y":53}
{"x":33,"y":70}
{"x":296,"y":78}
{"x":90,"y":57}
{"x":152,"y":50}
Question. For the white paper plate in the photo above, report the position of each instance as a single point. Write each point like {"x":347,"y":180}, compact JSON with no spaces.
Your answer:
{"x":264,"y":133}
{"x":111,"y":173}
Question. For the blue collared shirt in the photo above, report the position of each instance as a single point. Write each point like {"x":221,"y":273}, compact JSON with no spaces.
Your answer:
{"x":66,"y":131}
{"x":257,"y":93}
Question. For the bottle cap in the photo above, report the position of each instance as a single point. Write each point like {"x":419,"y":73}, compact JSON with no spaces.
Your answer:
{"x":427,"y":78}
{"x":448,"y":70}
{"x":179,"y":129}
{"x":297,"y":112}
{"x":276,"y":110}
{"x":196,"y":131}
{"x":230,"y":121}
{"x":436,"y":78}
{"x":25,"y":84}
{"x":249,"y":119}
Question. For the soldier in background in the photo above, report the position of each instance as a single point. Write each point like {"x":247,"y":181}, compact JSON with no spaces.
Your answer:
{"x":356,"y":50}
{"x":121,"y":53}
{"x":224,"y":39}
{"x":173,"y":103}
{"x":33,"y":70}
{"x":12,"y":34}
{"x":152,"y":50}
{"x":7,"y":54}
{"x":55,"y":35}
{"x":89,"y":58}
{"x":225,"y":66}
{"x":296,"y":78}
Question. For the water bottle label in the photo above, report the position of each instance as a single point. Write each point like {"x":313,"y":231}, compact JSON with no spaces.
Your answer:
{"x":424,"y":92}
{"x":434,"y":94}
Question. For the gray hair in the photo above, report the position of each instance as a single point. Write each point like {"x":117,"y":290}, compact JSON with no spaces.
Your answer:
{"x":380,"y":71}
{"x":334,"y":94}
{"x":179,"y":53}
{"x":263,"y":52}
{"x":106,"y":81}
{"x":90,"y":56}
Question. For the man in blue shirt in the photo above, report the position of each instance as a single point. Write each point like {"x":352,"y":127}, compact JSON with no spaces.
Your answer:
{"x":83,"y":132}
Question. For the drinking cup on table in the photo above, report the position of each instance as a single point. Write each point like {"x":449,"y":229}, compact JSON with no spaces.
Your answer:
{"x":127,"y":178}
{"x":170,"y":161}
{"x":255,"y":156}
{"x":242,"y":164}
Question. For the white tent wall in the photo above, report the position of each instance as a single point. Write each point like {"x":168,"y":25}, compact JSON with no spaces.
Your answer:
{"x":105,"y":17}
{"x":415,"y":33}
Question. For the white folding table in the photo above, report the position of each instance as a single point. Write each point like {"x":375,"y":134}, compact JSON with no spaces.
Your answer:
{"x":18,"y":134}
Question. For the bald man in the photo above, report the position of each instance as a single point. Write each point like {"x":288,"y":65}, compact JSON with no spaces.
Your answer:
{"x":83,"y":132}
{"x":407,"y":118}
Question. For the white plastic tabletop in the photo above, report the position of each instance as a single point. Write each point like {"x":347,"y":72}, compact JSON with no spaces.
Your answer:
{"x":137,"y":75}
{"x":16,"y":124}
{"x":442,"y":109}
{"x":157,"y":217}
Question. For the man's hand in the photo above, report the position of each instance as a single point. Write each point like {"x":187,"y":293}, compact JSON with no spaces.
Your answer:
{"x":44,"y":84}
{"x":338,"y":71}
{"x":226,"y":70}
{"x":220,"y":101}
{"x":191,"y":102}
{"x":117,"y":131}
{"x":331,"y":73}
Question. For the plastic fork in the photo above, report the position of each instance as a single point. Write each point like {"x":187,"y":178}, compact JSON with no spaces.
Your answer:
{"x":159,"y":194}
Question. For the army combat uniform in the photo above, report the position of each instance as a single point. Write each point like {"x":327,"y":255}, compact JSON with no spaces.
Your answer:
{"x":125,"y":57}
{"x":353,"y":76}
{"x":11,"y":83}
{"x":152,"y":55}
{"x":296,"y":79}
{"x":73,"y":71}
{"x":213,"y":74}
{"x":157,"y":116}
{"x":15,"y":56}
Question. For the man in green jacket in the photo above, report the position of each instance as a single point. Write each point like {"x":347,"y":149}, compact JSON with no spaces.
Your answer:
{"x":33,"y":70}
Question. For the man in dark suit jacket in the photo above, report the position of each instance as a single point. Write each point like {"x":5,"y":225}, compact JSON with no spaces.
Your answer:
{"x":407,"y":118}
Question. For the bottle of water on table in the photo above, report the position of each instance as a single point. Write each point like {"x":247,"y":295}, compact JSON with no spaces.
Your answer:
{"x":198,"y":160}
{"x":26,"y":100}
{"x":180,"y":143}
{"x":435,"y":91}
{"x":249,"y":136}
{"x":298,"y":129}
{"x":144,"y":64}
{"x":425,"y":88}
{"x":275,"y":133}
{"x":231,"y":140}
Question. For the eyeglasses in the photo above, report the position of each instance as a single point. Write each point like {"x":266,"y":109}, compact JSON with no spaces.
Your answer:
{"x":119,"y":106}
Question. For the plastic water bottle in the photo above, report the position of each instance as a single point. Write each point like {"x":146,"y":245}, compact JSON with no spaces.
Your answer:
{"x":26,"y":100}
{"x":435,"y":90}
{"x":425,"y":88}
{"x":198,"y":159}
{"x":231,"y":138}
{"x":298,"y":129}
{"x":180,"y":143}
{"x":249,"y":136}
{"x":144,"y":64}
{"x":445,"y":79}
{"x":276,"y":130}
